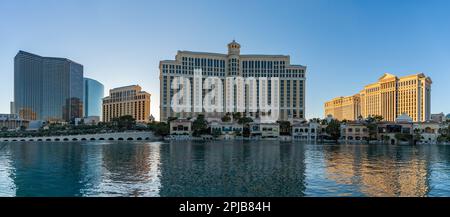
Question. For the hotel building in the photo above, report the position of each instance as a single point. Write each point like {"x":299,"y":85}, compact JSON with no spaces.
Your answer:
{"x":93,"y":96}
{"x":344,"y":108}
{"x":12,"y":121}
{"x":233,"y":64}
{"x":47,"y":88}
{"x":389,"y":97}
{"x":128,"y":100}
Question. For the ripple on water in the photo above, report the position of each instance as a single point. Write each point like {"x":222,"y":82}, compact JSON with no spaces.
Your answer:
{"x":223,"y":168}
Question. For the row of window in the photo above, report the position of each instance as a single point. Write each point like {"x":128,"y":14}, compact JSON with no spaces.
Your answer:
{"x":304,"y":130}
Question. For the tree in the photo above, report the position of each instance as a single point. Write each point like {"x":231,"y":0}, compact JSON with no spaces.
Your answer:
{"x":237,"y":115}
{"x":372,"y":129}
{"x":334,"y":130}
{"x":159,"y":128}
{"x":162,"y":129}
{"x":246,"y":131}
{"x":226,"y":118}
{"x":378,"y":118}
{"x":245,"y":120}
{"x":200,"y":126}
{"x":126,"y":122}
{"x":417,"y":137}
{"x":403,"y":137}
{"x":4,"y":129}
{"x":285,"y":128}
{"x":216,"y":133}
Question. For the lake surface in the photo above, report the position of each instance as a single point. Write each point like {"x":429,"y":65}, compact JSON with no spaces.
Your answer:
{"x":248,"y":168}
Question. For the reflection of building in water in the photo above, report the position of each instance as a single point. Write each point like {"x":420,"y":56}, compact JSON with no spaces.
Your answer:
{"x":7,"y":186}
{"x":131,"y":170}
{"x":339,"y":165}
{"x":46,"y":169}
{"x":378,"y":171}
{"x":232,"y":169}
{"x":409,"y":179}
{"x":91,"y":170}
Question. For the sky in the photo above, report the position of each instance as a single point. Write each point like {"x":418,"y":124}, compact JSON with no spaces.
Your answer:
{"x":345,"y":44}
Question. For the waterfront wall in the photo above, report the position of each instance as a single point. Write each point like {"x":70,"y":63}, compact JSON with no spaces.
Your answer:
{"x":129,"y":136}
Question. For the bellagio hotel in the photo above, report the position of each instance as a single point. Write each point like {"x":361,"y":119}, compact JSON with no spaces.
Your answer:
{"x":389,"y":97}
{"x":128,"y":100}
{"x":291,"y":86}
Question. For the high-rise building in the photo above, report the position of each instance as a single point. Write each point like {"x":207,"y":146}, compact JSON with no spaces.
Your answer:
{"x":292,"y":80}
{"x":47,"y":88}
{"x":391,"y":97}
{"x":12,"y":108}
{"x":93,"y":96}
{"x":128,"y":100}
{"x":344,"y":108}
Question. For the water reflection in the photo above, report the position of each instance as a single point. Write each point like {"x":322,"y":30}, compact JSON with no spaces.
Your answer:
{"x":46,"y":169}
{"x":7,"y":187}
{"x":379,"y":170}
{"x":252,"y":168}
{"x":232,"y":169}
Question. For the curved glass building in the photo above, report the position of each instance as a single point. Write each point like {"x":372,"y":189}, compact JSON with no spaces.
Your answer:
{"x":93,"y":95}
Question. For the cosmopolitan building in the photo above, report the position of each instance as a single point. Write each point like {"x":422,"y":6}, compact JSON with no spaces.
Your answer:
{"x":47,"y":88}
{"x":389,"y":97}
{"x":93,"y":95}
{"x":291,"y":79}
{"x":128,"y":100}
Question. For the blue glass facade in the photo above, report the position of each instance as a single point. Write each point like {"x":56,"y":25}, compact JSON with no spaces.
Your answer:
{"x":47,"y":88}
{"x":93,"y":95}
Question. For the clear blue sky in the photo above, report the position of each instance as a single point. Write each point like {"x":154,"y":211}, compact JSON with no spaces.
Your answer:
{"x":345,"y":44}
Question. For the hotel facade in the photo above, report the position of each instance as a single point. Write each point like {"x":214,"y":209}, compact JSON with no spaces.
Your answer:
{"x":291,"y":80}
{"x":128,"y":100}
{"x":390,"y":97}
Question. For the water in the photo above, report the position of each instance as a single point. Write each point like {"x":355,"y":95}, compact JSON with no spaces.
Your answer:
{"x":256,"y":168}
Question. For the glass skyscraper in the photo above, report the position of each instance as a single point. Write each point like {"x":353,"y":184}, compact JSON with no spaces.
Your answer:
{"x":93,"y":96}
{"x":47,"y":88}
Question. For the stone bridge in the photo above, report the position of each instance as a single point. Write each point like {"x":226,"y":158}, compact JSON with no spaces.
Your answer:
{"x":122,"y":136}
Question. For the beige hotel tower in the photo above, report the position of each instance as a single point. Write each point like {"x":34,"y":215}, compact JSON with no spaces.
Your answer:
{"x":128,"y":100}
{"x":232,"y":64}
{"x":389,"y":97}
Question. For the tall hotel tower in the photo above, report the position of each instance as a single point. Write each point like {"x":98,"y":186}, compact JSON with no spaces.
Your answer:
{"x":47,"y":88}
{"x":128,"y":100}
{"x":389,"y":97}
{"x":291,"y":79}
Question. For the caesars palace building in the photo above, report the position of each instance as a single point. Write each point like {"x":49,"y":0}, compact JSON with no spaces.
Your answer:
{"x":291,"y":94}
